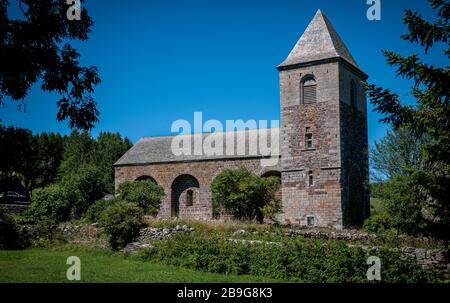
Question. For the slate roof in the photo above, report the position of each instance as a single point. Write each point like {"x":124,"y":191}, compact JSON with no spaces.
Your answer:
{"x":150,"y":150}
{"x":319,"y":41}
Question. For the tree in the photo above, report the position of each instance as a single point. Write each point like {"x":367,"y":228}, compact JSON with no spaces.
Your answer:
{"x":109,"y":148}
{"x":146,"y":194}
{"x":50,"y":148}
{"x":15,"y":149}
{"x":30,"y":160}
{"x":34,"y":48}
{"x":80,"y":148}
{"x":430,"y":115}
{"x":245,"y":195}
{"x":395,"y":154}
{"x":87,"y":185}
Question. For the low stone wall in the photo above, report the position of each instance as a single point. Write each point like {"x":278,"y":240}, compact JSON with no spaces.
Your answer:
{"x":437,"y":259}
{"x":83,"y":234}
{"x":149,"y":234}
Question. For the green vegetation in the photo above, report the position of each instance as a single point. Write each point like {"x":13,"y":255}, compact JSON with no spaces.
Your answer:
{"x":245,"y":195}
{"x":40,"y":54}
{"x":296,"y":260}
{"x":121,"y":222}
{"x":146,"y":194}
{"x":49,"y":265}
{"x":50,"y":203}
{"x":419,"y":175}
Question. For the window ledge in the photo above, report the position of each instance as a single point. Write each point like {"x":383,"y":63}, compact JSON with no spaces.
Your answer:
{"x":308,"y":150}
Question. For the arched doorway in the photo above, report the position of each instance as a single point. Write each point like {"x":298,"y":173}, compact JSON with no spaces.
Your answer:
{"x":181,"y":184}
{"x":277,"y":174}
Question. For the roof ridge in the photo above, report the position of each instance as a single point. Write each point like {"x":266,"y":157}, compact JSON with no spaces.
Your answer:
{"x":205,"y":133}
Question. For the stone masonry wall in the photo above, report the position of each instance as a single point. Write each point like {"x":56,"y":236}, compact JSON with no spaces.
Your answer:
{"x":204,"y":172}
{"x":354,"y":149}
{"x":322,"y":200}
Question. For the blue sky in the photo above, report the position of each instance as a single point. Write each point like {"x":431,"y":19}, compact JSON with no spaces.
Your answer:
{"x":160,"y":61}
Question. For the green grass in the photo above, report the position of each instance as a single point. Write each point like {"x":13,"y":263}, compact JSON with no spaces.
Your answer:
{"x":49,"y":265}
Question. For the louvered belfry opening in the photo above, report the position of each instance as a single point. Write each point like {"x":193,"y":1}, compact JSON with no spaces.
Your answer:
{"x":309,"y":90}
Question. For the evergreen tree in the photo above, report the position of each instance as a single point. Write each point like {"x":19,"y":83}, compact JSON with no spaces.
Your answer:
{"x":430,"y":116}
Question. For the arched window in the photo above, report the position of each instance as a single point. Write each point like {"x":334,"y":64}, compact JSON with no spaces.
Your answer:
{"x":190,"y":197}
{"x":309,"y":90}
{"x":353,"y":100}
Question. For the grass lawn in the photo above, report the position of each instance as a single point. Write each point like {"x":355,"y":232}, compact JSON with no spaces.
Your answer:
{"x":49,"y":265}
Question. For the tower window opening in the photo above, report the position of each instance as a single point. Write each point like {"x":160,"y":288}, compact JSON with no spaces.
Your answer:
{"x":309,"y":90}
{"x":308,"y":138}
{"x":310,"y":178}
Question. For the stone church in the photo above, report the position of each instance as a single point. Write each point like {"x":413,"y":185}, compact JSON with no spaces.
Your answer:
{"x":323,"y":144}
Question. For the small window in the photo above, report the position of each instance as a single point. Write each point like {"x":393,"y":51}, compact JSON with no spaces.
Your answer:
{"x":189,"y":198}
{"x":310,"y":221}
{"x":309,"y":90}
{"x":308,"y":138}
{"x":310,"y":178}
{"x":353,"y":100}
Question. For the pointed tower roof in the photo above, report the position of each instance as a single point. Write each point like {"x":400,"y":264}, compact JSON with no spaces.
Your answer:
{"x":319,"y":41}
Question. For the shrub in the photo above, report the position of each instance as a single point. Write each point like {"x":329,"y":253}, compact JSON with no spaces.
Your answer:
{"x":378,"y":222}
{"x":245,"y":195}
{"x":94,"y":211}
{"x":44,"y":233}
{"x":51,"y":202}
{"x":304,"y":260}
{"x":145,"y":193}
{"x":121,"y":222}
{"x":404,"y":206}
{"x":12,"y":235}
{"x":86,"y":186}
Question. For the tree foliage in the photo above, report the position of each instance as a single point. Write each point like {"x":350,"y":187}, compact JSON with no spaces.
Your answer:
{"x":35,"y":48}
{"x":395,"y":154}
{"x":146,"y":194}
{"x":51,"y":203}
{"x":245,"y":195}
{"x":429,"y":116}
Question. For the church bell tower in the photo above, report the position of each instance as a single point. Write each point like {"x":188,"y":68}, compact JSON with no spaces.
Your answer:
{"x":323,"y":138}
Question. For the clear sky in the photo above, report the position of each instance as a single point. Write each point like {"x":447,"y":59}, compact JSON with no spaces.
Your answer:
{"x":160,"y":61}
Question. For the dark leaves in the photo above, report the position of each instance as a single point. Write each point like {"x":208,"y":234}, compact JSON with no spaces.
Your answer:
{"x":31,"y":51}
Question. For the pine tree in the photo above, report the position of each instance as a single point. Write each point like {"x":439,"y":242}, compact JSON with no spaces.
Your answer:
{"x":430,"y":115}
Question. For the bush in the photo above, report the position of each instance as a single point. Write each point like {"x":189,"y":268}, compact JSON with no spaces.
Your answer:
{"x":146,"y":194}
{"x":52,"y":202}
{"x":378,"y":223}
{"x":404,"y":206}
{"x":245,"y":195}
{"x":94,"y":211}
{"x":296,"y":260}
{"x":12,"y":236}
{"x":86,"y":186}
{"x":44,"y":233}
{"x":121,"y":222}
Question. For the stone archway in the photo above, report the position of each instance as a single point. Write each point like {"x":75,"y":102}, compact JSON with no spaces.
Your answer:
{"x":146,"y":178}
{"x":186,"y":186}
{"x":274,"y":173}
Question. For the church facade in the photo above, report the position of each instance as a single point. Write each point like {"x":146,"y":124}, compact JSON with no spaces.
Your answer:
{"x":323,"y":144}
